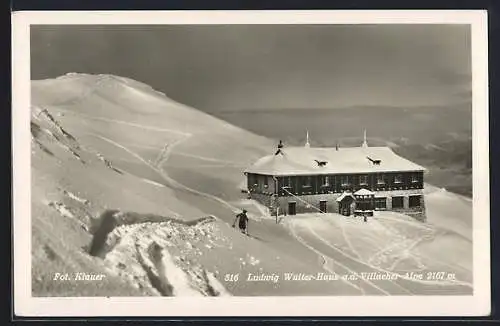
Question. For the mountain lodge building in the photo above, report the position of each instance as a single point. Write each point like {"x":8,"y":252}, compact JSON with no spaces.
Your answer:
{"x":351,"y":180}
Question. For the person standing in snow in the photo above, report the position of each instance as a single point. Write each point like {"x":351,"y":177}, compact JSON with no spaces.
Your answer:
{"x":243,"y":221}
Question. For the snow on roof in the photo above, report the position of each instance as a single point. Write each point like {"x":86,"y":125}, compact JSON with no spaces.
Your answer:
{"x":344,"y":194}
{"x":364,"y":192}
{"x":304,"y":161}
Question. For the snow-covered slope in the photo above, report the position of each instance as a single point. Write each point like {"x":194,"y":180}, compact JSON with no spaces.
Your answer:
{"x":101,"y":147}
{"x":135,"y":186}
{"x":72,"y":186}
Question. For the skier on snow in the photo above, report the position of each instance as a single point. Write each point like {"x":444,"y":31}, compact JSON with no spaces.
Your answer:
{"x":243,"y":221}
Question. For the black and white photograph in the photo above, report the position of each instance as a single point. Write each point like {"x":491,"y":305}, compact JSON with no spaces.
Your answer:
{"x":285,"y":160}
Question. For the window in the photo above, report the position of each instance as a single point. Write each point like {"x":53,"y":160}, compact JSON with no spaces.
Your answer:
{"x":250,"y":182}
{"x":307,"y":181}
{"x":363,"y":179}
{"x":266,"y":180}
{"x":398,"y":178}
{"x":253,"y":180}
{"x":414,"y":178}
{"x":325,"y":181}
{"x":344,"y":180}
{"x":286,"y":186}
{"x":380,"y":179}
{"x":380,"y":203}
{"x":397,"y":202}
{"x":414,"y":201}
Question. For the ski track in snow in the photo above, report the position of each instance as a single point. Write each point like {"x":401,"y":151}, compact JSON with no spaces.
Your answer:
{"x":416,"y":257}
{"x":154,"y":183}
{"x":350,"y":270}
{"x":378,"y":269}
{"x":355,"y":259}
{"x":209,"y":159}
{"x":128,"y":123}
{"x":408,"y":249}
{"x":133,"y":154}
{"x":199,"y":157}
{"x":396,"y":244}
{"x":347,"y":240}
{"x":167,"y":153}
{"x":327,"y":260}
{"x":161,"y":172}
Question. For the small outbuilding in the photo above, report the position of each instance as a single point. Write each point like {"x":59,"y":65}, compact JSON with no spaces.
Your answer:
{"x":365,"y":202}
{"x":346,"y":203}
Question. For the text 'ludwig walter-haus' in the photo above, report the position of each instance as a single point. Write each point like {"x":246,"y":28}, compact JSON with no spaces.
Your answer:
{"x":348,"y":181}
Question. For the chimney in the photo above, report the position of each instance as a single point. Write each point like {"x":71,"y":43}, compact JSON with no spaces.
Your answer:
{"x":280,"y":146}
{"x":365,"y":143}
{"x":307,"y":145}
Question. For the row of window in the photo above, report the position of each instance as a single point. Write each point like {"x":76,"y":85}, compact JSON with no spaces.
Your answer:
{"x":398,"y":202}
{"x":346,"y":180}
{"x":414,"y":201}
{"x":254,"y":180}
{"x":327,"y":181}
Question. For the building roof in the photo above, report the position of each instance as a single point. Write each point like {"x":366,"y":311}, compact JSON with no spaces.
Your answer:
{"x":344,"y":195}
{"x":364,"y":192}
{"x":304,"y":161}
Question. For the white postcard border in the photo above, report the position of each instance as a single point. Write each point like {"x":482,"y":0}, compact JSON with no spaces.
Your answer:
{"x":26,"y":305}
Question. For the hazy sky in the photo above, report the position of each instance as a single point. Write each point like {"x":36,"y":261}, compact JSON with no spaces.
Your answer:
{"x":270,"y":66}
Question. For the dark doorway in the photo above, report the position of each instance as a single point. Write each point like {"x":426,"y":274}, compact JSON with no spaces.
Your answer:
{"x":323,"y":206}
{"x":345,"y":205}
{"x":292,"y":208}
{"x":345,"y":209}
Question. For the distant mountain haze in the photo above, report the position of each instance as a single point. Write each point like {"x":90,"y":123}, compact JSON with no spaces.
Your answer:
{"x":408,"y":85}
{"x":263,"y":67}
